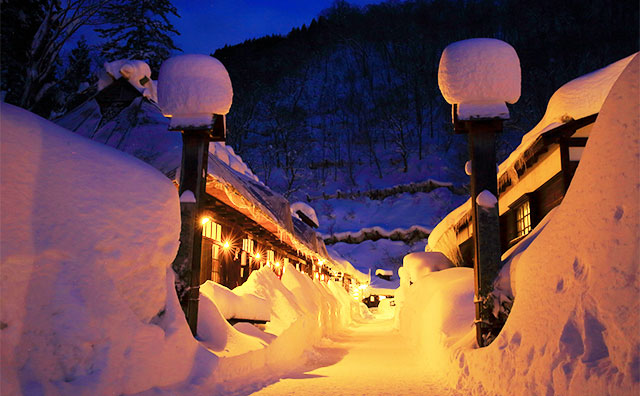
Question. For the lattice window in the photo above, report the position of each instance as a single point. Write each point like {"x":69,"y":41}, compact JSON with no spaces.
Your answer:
{"x":212,"y":230}
{"x":523,"y":219}
{"x":248,"y":245}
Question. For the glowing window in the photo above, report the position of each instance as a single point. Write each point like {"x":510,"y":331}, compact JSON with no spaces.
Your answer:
{"x":271,"y":256}
{"x":523,"y":219}
{"x":212,"y":230}
{"x":247,"y":245}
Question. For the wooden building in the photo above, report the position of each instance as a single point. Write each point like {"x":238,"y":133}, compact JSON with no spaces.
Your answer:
{"x":535,"y":177}
{"x":246,"y":225}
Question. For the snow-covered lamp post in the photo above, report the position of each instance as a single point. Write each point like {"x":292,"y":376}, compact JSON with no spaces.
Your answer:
{"x":478,"y":77}
{"x":195,"y":91}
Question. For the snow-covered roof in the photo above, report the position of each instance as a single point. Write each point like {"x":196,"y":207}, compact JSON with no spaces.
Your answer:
{"x":136,"y":72}
{"x":384,"y":272}
{"x":576,"y":99}
{"x":382,"y":287}
{"x":142,"y":131}
{"x":245,"y":193}
{"x":306,"y":210}
{"x":347,"y":267}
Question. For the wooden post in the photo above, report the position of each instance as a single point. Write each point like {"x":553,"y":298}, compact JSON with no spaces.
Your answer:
{"x":195,"y":148}
{"x":486,"y":221}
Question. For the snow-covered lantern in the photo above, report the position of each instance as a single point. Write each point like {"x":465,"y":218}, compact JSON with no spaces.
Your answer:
{"x":195,"y":91}
{"x":478,"y":77}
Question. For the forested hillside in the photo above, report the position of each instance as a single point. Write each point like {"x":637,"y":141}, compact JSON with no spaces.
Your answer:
{"x":358,"y":86}
{"x":346,"y":114}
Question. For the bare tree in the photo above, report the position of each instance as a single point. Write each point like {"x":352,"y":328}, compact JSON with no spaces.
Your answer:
{"x":61,"y":21}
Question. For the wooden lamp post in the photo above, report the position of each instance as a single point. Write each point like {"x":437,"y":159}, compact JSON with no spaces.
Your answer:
{"x":477,"y":77}
{"x":195,"y":91}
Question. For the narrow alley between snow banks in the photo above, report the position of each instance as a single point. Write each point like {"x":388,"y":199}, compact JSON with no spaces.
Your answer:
{"x":368,"y":358}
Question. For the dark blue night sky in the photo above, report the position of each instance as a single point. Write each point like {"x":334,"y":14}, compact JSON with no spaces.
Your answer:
{"x":207,"y":25}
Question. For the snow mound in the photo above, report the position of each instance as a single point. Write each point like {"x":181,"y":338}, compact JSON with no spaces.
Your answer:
{"x":437,"y":310}
{"x":306,"y":209}
{"x":193,"y":87}
{"x":88,"y":235}
{"x":420,"y":264}
{"x":215,"y":332}
{"x":479,"y":71}
{"x":236,"y":305}
{"x":136,"y":72}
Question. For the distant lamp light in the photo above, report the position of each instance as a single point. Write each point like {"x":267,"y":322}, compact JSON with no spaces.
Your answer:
{"x":321,"y":262}
{"x":257,"y":256}
{"x":226,"y":245}
{"x":205,"y":220}
{"x":277,"y":264}
{"x":316,"y":275}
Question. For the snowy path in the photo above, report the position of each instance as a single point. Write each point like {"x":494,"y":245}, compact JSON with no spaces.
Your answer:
{"x":367,"y":359}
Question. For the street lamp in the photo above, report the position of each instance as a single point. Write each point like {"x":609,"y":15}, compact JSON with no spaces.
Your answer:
{"x":195,"y":91}
{"x":478,"y":77}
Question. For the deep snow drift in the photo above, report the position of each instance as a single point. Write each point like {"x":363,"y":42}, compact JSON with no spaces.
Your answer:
{"x":88,"y":235}
{"x":88,"y":299}
{"x":574,"y":325}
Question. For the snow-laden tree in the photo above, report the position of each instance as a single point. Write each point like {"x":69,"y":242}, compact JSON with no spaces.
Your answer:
{"x":139,"y":29}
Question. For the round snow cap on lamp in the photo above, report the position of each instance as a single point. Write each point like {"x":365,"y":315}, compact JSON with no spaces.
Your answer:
{"x":479,"y":75}
{"x":192,"y":88}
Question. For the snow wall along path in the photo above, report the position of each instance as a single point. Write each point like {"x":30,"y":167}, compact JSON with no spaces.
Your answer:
{"x":575,"y":324}
{"x":88,"y":236}
{"x":88,"y":300}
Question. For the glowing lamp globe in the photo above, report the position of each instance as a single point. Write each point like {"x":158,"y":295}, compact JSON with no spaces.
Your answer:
{"x":479,"y":76}
{"x":195,"y":91}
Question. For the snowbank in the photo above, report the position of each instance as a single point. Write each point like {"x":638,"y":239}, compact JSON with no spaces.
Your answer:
{"x":479,"y":71}
{"x":88,"y":298}
{"x":419,"y":264}
{"x":436,"y":311}
{"x":88,"y":235}
{"x":236,"y":304}
{"x":574,"y":325}
{"x":301,"y":311}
